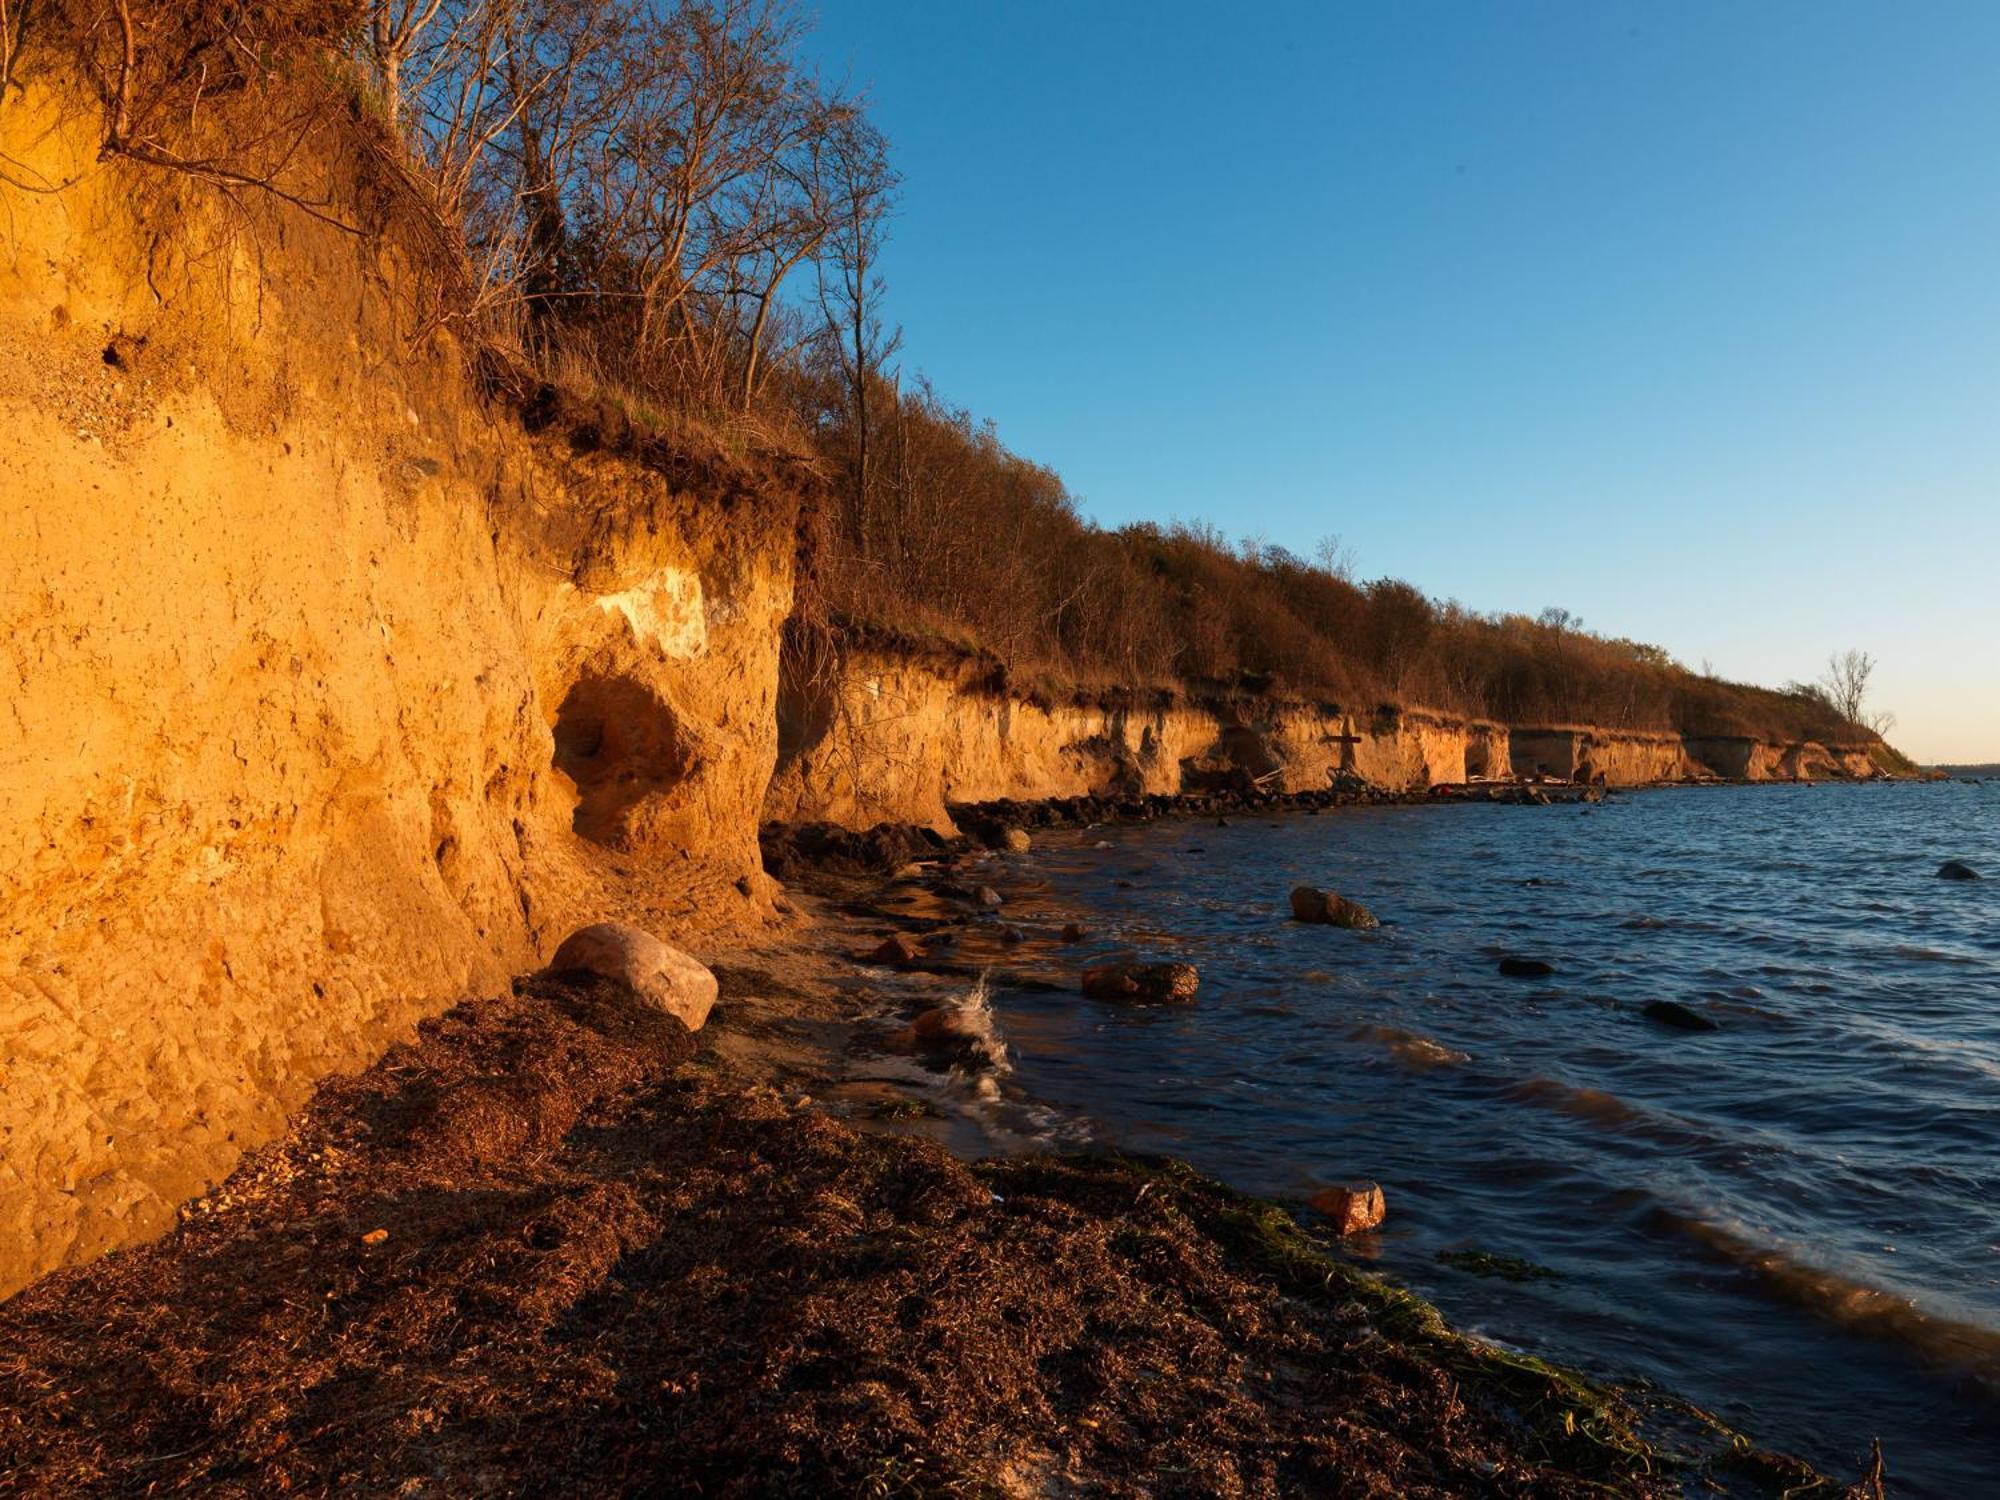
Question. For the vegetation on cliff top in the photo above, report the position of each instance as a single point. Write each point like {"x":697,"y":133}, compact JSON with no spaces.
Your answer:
{"x":658,"y":207}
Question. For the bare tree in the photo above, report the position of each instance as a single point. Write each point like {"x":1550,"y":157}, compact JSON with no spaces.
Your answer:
{"x":850,"y":286}
{"x":1335,"y":557}
{"x":1845,"y":683}
{"x":394,"y":27}
{"x":13,"y":20}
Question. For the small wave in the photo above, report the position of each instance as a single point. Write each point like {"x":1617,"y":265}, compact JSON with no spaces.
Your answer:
{"x":1410,"y":1048}
{"x":1609,"y":1113}
{"x":1935,"y":955}
{"x":1849,"y":1303}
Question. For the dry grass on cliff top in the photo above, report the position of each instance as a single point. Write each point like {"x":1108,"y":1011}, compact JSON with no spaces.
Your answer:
{"x":539,"y":1251}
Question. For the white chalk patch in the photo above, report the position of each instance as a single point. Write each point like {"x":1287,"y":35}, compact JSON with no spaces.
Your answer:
{"x":666,"y":609}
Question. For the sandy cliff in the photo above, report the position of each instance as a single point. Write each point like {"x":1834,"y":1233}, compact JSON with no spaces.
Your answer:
{"x":891,"y":738}
{"x":333,"y":695}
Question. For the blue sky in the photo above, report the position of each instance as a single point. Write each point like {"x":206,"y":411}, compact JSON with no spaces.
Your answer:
{"x":1685,"y":317}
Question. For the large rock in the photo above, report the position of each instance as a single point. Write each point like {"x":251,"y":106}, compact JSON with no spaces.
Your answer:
{"x":1352,"y":1208}
{"x":661,"y":975}
{"x":1956,"y":869}
{"x":1173,"y":983}
{"x":1310,"y":904}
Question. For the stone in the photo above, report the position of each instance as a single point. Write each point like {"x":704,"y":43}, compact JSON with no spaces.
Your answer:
{"x":1352,"y":1208}
{"x":1016,"y":841}
{"x":897,"y":948}
{"x":1172,"y":983}
{"x":1310,"y":904}
{"x":987,"y":896}
{"x":1956,"y":869}
{"x":661,"y":975}
{"x":942,"y":1027}
{"x":1673,"y":1013}
{"x":1526,"y":968}
{"x":1074,"y":932}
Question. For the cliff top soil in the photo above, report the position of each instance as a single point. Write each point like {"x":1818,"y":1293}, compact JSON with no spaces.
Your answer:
{"x":550,"y":1246}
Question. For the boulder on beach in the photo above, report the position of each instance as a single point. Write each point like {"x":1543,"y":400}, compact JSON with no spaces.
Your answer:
{"x":1680,"y":1017}
{"x":1330,"y":908}
{"x":1172,"y":983}
{"x":1016,"y":841}
{"x":1351,"y":1208}
{"x":898,"y":948}
{"x":1956,"y":869}
{"x":659,"y":974}
{"x":1515,"y":967}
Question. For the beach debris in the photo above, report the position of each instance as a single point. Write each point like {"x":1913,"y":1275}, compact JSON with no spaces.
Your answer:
{"x":1351,"y":1207}
{"x":1956,"y":869}
{"x":1516,"y":967}
{"x":1673,"y":1013}
{"x":898,"y":948}
{"x":658,"y":973}
{"x":1330,"y":908}
{"x":1165,"y":982}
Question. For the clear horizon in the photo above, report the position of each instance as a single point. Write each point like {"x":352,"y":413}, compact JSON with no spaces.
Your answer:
{"x":1685,"y":322}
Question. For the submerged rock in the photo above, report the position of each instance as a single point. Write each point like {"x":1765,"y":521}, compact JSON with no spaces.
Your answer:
{"x":1310,"y":904}
{"x":1681,"y":1017}
{"x":1956,"y":869}
{"x":1172,"y":983}
{"x":661,"y":975}
{"x":1351,"y":1208}
{"x":1526,"y":968}
{"x":898,"y":948}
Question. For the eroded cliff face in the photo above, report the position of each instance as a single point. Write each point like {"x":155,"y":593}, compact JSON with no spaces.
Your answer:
{"x":333,"y":696}
{"x":900,"y":740}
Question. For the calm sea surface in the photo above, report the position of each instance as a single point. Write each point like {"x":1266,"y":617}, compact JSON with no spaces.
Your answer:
{"x":1793,"y":1220}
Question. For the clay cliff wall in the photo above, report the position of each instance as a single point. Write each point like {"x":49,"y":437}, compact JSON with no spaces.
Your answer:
{"x":890,"y":738}
{"x":333,"y":695}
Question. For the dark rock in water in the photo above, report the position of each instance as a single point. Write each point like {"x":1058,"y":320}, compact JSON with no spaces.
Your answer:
{"x":987,"y":896}
{"x":1012,"y":935}
{"x":1310,"y":904}
{"x":1673,"y":1013}
{"x":1956,"y":869}
{"x":1074,"y":932}
{"x":898,"y":948}
{"x":1526,"y":968}
{"x":1173,"y":983}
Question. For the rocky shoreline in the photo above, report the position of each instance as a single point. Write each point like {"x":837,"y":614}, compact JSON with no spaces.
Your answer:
{"x":556,"y":1243}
